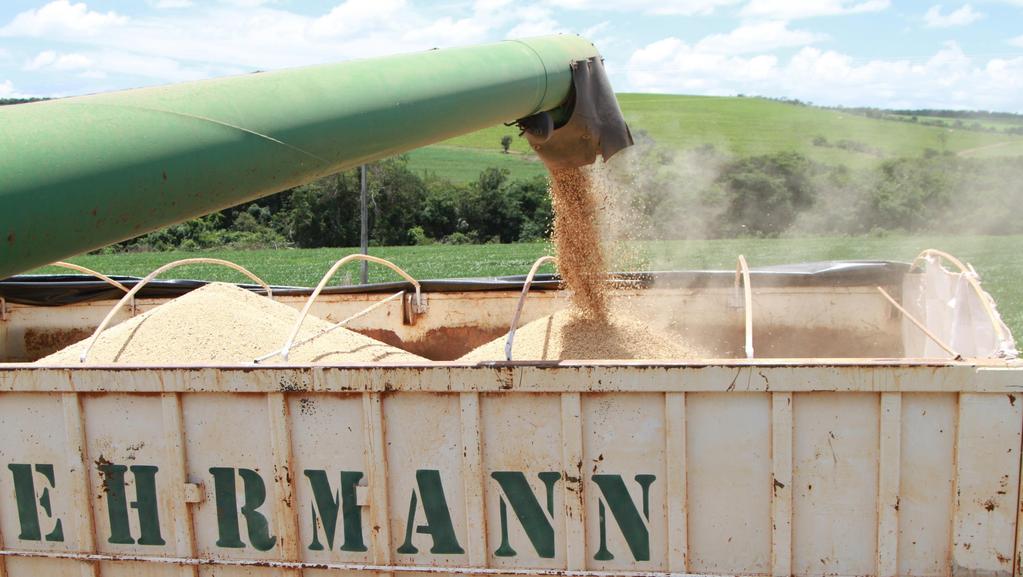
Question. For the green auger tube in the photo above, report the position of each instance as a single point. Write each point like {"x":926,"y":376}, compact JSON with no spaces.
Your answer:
{"x":77,"y":174}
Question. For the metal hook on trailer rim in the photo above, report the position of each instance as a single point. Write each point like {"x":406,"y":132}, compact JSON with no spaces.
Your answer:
{"x":742,"y":274}
{"x":522,"y":301}
{"x":417,"y":305}
{"x":131,"y":294}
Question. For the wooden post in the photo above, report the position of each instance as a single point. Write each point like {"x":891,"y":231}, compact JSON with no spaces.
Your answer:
{"x":363,"y":224}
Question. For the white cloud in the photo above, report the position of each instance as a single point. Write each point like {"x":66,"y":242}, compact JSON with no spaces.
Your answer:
{"x":52,"y":60}
{"x":676,"y":7}
{"x":171,"y":4}
{"x":796,"y":9}
{"x":534,"y":21}
{"x":61,"y":17}
{"x":960,"y":17}
{"x":757,"y":37}
{"x":1017,"y":41}
{"x":7,"y":90}
{"x":948,"y":79}
{"x":353,"y":16}
{"x":217,"y":39}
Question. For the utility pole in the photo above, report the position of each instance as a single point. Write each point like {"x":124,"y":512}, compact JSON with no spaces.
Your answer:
{"x":364,"y":224}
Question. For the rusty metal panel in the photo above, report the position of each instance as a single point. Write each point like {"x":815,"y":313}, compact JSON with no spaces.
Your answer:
{"x":987,"y":484}
{"x":330,"y":464}
{"x":926,"y":484}
{"x":736,"y":469}
{"x":624,"y":458}
{"x":728,"y":467}
{"x":835,"y":475}
{"x":523,"y":433}
{"x":229,"y":456}
{"x":35,"y":468}
{"x":425,"y":487}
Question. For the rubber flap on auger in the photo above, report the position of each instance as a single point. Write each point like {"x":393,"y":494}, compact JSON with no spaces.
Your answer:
{"x":596,"y":125}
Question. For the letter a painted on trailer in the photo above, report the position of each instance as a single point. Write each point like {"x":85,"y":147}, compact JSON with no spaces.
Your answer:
{"x":438,"y":517}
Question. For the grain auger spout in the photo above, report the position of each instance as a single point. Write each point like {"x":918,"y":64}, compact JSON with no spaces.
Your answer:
{"x":80,"y":173}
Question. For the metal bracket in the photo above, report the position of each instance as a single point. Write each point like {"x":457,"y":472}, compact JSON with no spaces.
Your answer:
{"x":194,"y":492}
{"x":362,"y":495}
{"x":411,"y":309}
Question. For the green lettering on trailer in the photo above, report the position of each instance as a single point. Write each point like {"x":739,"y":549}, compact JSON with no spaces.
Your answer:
{"x":438,"y":517}
{"x":227,"y":509}
{"x":537,"y":525}
{"x":328,"y":504}
{"x":631,"y":524}
{"x":146,"y":503}
{"x":25,"y":497}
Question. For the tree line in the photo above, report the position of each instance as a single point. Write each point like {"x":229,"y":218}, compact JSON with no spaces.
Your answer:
{"x":666,"y":194}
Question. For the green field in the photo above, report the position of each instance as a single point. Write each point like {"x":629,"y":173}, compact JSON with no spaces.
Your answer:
{"x":739,"y":125}
{"x":465,"y":164}
{"x":997,"y":259}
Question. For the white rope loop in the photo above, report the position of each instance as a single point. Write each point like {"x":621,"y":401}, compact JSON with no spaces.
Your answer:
{"x":130,"y":295}
{"x":290,"y":343}
{"x":335,"y":326}
{"x":742,"y":275}
{"x":90,"y":272}
{"x":522,"y":301}
{"x":96,"y":274}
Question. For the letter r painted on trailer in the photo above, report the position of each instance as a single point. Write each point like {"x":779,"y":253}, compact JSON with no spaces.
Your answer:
{"x":225,"y":491}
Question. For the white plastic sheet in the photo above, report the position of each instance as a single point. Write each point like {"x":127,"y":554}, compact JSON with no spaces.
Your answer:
{"x":949,"y":305}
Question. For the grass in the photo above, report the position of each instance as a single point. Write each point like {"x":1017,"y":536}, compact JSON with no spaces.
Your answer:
{"x":464,"y":165}
{"x":740,"y":125}
{"x":996,"y":258}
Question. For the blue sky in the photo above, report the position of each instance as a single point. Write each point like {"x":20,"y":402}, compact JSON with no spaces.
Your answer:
{"x":887,"y":53}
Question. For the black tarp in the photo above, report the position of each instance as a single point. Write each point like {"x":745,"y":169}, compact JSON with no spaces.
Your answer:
{"x":56,"y":290}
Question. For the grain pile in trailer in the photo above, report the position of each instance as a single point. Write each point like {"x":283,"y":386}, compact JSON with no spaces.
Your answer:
{"x":571,"y":334}
{"x":222,"y":323}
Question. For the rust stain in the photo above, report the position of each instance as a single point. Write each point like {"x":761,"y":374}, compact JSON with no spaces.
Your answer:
{"x":307,"y":406}
{"x":102,"y":462}
{"x":10,"y":237}
{"x":990,"y":505}
{"x":42,"y":342}
{"x":439,"y":344}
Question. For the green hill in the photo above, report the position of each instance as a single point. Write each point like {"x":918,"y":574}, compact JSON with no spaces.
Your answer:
{"x":742,"y":126}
